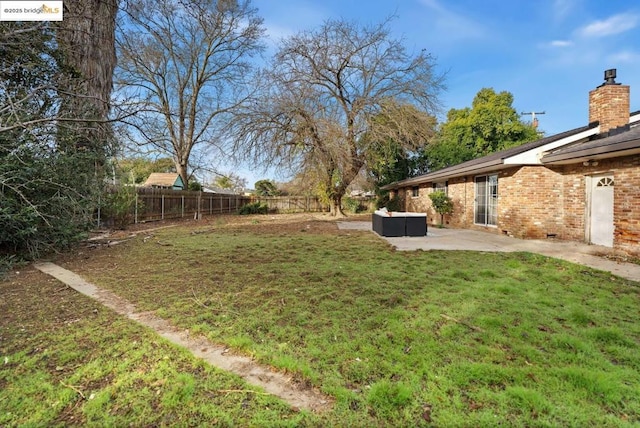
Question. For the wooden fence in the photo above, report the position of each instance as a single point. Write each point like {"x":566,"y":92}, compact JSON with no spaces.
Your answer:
{"x":161,"y":204}
{"x":151,"y":204}
{"x":291,"y":204}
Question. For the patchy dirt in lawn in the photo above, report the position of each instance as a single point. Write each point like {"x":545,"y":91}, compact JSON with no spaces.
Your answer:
{"x":278,"y":384}
{"x":299,"y":394}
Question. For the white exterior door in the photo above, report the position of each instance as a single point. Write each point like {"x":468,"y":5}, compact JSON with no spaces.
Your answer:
{"x":601,"y":228}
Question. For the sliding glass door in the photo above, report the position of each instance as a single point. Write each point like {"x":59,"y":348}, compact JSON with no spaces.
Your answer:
{"x":486,"y":203}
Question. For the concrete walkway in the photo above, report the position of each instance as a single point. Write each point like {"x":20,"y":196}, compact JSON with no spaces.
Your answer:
{"x":473,"y":240}
{"x":273,"y":382}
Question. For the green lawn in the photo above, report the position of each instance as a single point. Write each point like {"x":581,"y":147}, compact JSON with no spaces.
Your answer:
{"x":398,"y":338}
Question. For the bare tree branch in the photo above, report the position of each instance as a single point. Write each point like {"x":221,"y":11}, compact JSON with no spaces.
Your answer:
{"x":185,"y":66}
{"x":322,"y":97}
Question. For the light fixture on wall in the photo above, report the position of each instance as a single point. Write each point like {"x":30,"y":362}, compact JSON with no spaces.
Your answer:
{"x":590,"y":163}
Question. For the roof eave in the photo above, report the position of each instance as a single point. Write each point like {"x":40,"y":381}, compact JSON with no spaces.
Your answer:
{"x":624,"y":148}
{"x":444,"y":175}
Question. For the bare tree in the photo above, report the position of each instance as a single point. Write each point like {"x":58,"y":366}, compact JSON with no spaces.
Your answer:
{"x":321,"y":95}
{"x":185,"y":64}
{"x":231,"y":181}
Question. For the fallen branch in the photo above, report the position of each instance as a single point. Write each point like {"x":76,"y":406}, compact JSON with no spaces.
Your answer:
{"x":472,"y":327}
{"x":75,"y":389}
{"x":195,"y":299}
{"x":227,"y":391}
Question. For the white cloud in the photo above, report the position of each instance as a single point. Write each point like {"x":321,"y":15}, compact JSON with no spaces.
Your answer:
{"x":283,"y":20}
{"x":624,"y":57}
{"x":454,"y":25}
{"x":560,"y":43}
{"x":613,"y":25}
{"x":562,"y":8}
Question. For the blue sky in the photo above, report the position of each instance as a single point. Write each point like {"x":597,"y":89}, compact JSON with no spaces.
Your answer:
{"x":548,"y":53}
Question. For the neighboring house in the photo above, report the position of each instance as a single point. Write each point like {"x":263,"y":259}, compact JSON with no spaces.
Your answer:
{"x":582,"y":184}
{"x":219,"y":190}
{"x":362,"y":194}
{"x":165,"y":180}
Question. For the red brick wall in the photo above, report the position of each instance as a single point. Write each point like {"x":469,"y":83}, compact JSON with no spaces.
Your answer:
{"x":460,"y":192}
{"x":609,"y":104}
{"x":626,"y":213}
{"x":537,"y":201}
{"x":421,"y":203}
{"x":530,"y":202}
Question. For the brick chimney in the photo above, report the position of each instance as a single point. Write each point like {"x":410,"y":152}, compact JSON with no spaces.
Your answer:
{"x":609,"y":103}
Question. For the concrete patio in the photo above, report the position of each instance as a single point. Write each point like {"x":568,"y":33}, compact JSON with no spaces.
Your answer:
{"x":472,"y":240}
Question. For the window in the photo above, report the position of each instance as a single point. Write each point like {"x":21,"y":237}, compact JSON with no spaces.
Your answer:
{"x":442,"y":185}
{"x":605,"y":182}
{"x":486,"y":202}
{"x":415,"y":191}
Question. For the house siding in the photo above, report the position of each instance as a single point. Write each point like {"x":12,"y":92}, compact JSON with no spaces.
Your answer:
{"x":530,"y":201}
{"x":538,"y":202}
{"x":626,"y":208}
{"x":460,"y":192}
{"x":525,"y":195}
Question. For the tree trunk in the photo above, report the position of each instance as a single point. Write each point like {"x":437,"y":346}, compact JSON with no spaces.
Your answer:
{"x":182,"y":171}
{"x":336,"y":205}
{"x":87,"y":40}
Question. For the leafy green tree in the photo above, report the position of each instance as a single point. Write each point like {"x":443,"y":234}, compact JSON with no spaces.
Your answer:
{"x":266,"y":188}
{"x":394,"y":158}
{"x":491,"y":124}
{"x":441,"y":203}
{"x":391,"y":157}
{"x":194,"y":186}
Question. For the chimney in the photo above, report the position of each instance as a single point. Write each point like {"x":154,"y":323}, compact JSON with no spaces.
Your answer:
{"x":609,"y":103}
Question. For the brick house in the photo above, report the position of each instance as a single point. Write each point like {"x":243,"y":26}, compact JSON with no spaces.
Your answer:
{"x":582,"y":184}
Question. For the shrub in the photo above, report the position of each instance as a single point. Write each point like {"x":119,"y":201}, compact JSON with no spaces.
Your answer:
{"x":382,"y":200}
{"x":194,"y":186}
{"x":119,"y":206}
{"x":352,"y":205}
{"x":254,"y":208}
{"x":395,"y":204}
{"x":441,"y":203}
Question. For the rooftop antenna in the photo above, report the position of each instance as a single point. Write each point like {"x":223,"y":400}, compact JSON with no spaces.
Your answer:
{"x":534,"y":120}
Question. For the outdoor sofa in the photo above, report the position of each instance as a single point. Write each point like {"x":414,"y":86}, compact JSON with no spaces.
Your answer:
{"x":394,"y":223}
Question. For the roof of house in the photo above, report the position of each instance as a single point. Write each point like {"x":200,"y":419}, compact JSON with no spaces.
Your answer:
{"x":219,"y":190}
{"x":490,"y":162}
{"x":164,"y":179}
{"x":567,"y":147}
{"x":617,"y":142}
